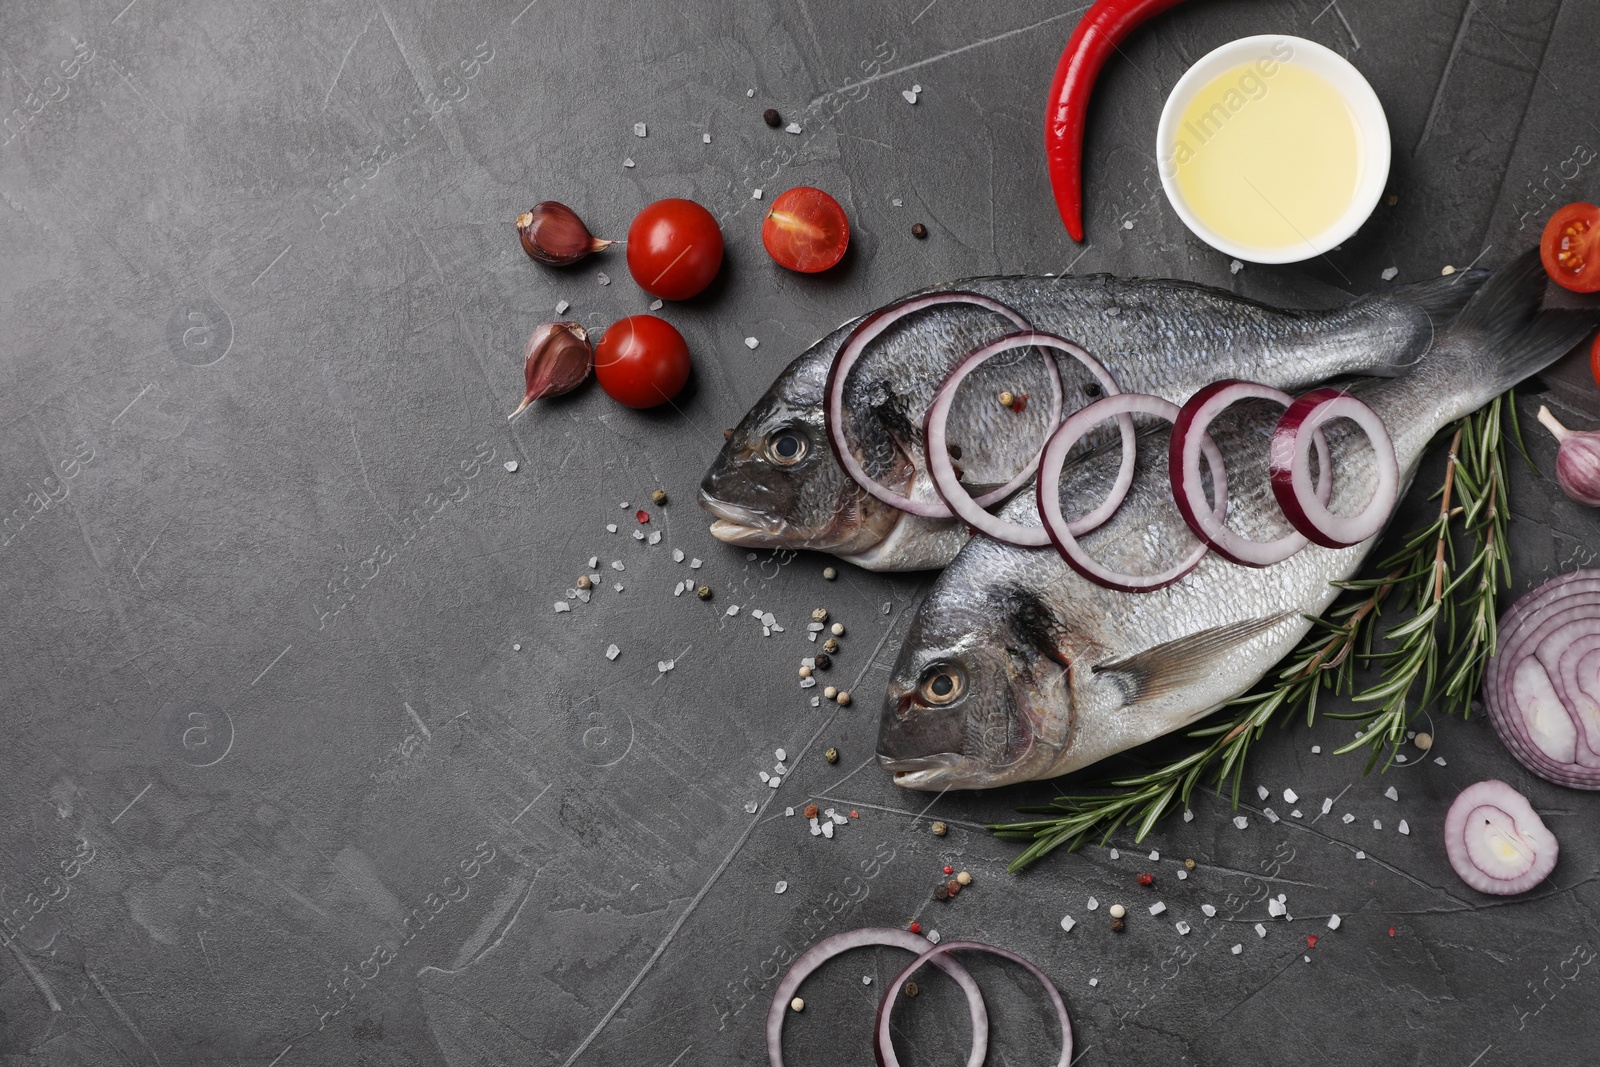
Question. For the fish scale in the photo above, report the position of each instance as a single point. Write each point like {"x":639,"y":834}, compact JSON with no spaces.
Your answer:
{"x":1057,"y":672}
{"x":1163,"y":337}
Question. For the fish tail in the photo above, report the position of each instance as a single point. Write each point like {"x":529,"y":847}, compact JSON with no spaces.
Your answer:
{"x":1507,"y":323}
{"x":1414,"y":315}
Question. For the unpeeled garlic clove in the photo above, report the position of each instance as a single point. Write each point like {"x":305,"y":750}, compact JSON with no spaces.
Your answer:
{"x":1577,"y":460}
{"x":558,"y":359}
{"x":553,"y":233}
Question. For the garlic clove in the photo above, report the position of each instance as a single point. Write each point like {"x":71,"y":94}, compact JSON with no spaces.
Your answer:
{"x":558,"y":359}
{"x":1577,"y":460}
{"x":553,"y":233}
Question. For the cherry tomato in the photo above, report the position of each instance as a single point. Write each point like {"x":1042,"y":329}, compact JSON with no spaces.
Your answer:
{"x":1594,"y":360}
{"x":805,"y":230}
{"x":674,"y":249}
{"x":642,"y":361}
{"x":1570,"y":248}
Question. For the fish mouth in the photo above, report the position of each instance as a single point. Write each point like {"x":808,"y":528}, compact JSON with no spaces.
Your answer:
{"x":921,"y":772}
{"x":737,"y":525}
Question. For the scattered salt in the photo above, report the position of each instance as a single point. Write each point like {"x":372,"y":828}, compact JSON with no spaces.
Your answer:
{"x":866,"y":979}
{"x":1271,"y":815}
{"x":1183,"y":875}
{"x":793,"y":127}
{"x":1182,"y":927}
{"x":1333,"y":922}
{"x":1263,"y":792}
{"x":618,"y":565}
{"x":594,"y":561}
{"x":1439,"y":760}
{"x":655,"y":537}
{"x":756,"y":195}
{"x":816,"y":831}
{"x":611,"y":527}
{"x":1209,"y":909}
{"x":639,"y":129}
{"x":763,"y":775}
{"x":749,"y":92}
{"x":1392,"y":793}
{"x":705,"y":138}
{"x":816,"y":702}
{"x":1127,"y":224}
{"x":1157,"y":908}
{"x":1067,"y":923}
{"x":775,"y":781}
{"x":750,"y":806}
{"x":1275,"y":908}
{"x":933,"y":936}
{"x":603,"y":278}
{"x":1236,"y":949}
{"x":733,"y":609}
{"x":1092,"y":904}
{"x":628,"y":163}
{"x":1360,"y":855}
{"x":511,"y":466}
{"x":678,"y":589}
{"x":516,"y":648}
{"x":1399,"y":757}
{"x":1188,"y":816}
{"x":1094,"y":981}
{"x":562,"y":605}
{"x":663,"y":666}
{"x":1295,"y":814}
{"x":807,"y":683}
{"x":677,"y":555}
{"x":896,"y":201}
{"x":1377,"y":824}
{"x":694,"y":564}
{"x":780,"y":755}
{"x":751,"y":342}
{"x":612,"y":652}
{"x":1316,"y":750}
{"x":1240,"y":821}
{"x":1235,"y":267}
{"x":1327,"y":805}
{"x":1405,"y":827}
{"x":1115,"y":854}
{"x":638,"y":535}
{"x":1155,"y":855}
{"x":1290,"y":796}
{"x":780,"y":887}
{"x":561,"y":306}
{"x":1389,"y":273}
{"x":788,"y":812}
{"x":827,"y":830}
{"x":1261,"y":931}
{"x":910,"y":97}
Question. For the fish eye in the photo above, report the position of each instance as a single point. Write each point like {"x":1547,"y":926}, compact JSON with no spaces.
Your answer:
{"x":941,"y":684}
{"x":787,"y":446}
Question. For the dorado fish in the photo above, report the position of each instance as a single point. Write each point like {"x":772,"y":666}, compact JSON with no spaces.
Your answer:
{"x":778,"y":484}
{"x":1015,"y":667}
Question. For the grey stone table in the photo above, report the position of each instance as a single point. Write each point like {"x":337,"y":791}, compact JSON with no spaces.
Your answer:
{"x":299,"y":765}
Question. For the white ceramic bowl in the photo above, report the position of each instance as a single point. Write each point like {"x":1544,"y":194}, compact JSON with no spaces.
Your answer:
{"x":1372,"y":133}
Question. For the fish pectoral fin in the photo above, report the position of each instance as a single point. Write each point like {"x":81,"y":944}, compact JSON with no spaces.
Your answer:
{"x":1165,"y":668}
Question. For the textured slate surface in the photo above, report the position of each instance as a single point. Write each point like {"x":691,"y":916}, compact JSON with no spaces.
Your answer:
{"x":278,"y":785}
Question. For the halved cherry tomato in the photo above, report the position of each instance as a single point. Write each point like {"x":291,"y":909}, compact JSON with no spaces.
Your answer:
{"x":642,"y":361}
{"x":1570,"y":248}
{"x":805,"y":230}
{"x":674,"y":249}
{"x":1594,"y":360}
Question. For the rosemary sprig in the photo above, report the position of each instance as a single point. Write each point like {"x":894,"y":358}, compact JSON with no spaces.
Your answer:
{"x":1435,"y":654}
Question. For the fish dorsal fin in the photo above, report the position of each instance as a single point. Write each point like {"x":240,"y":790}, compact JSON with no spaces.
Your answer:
{"x":1165,"y":668}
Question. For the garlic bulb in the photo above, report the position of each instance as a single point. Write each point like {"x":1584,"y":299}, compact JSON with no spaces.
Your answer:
{"x":1577,"y":460}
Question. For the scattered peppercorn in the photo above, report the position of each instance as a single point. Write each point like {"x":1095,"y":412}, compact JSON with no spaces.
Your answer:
{"x":952,"y":887}
{"x":1118,"y":925}
{"x":1020,"y":404}
{"x":822,"y":660}
{"x":704,"y":592}
{"x":727,"y":435}
{"x":642,"y":515}
{"x":1391,"y":200}
{"x":1188,"y":864}
{"x":1007,"y":398}
{"x":918,"y":230}
{"x":1147,"y":879}
{"x":843,"y":698}
{"x":837,"y":629}
{"x":829,"y":573}
{"x":1311,"y":941}
{"x":1118,"y":911}
{"x":830,"y":691}
{"x":912,"y":989}
{"x":964,"y":878}
{"x":805,"y":672}
{"x":819,"y":614}
{"x":659,"y":496}
{"x":949,"y":869}
{"x":811,"y":811}
{"x":830,"y":645}
{"x":1424,"y":741}
{"x":854,"y":814}
{"x":771,"y":116}
{"x":585,"y":582}
{"x":832,"y":755}
{"x":797,"y":1004}
{"x":939,"y":829}
{"x":940,"y":892}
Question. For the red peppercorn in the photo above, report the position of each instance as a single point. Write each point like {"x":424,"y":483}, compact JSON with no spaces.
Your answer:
{"x":916,"y":928}
{"x":1020,"y":404}
{"x":949,"y":869}
{"x":854,"y":814}
{"x":1391,"y":931}
{"x":1147,"y":879}
{"x":1311,"y":941}
{"x":642,"y":515}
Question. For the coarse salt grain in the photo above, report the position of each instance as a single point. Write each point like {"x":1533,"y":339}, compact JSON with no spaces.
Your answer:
{"x":1188,"y":816}
{"x":1295,"y":814}
{"x":1236,"y":949}
{"x":611,"y":527}
{"x":1316,"y":750}
{"x":781,"y":887}
{"x":1094,"y":981}
{"x":1261,"y":930}
{"x":638,"y":535}
{"x":663,"y":666}
{"x":733,"y":609}
{"x":1327,"y":805}
{"x":775,"y":781}
{"x":516,"y":648}
{"x":780,"y":755}
{"x":628,"y":162}
{"x":1333,"y":922}
{"x":1115,"y":854}
{"x":561,"y":305}
{"x":1182,"y":927}
{"x":1348,"y":818}
{"x":677,"y":555}
{"x":1290,"y":796}
{"x":1209,"y":909}
{"x":1377,"y":824}
{"x":594,"y":561}
{"x":909,"y":96}
{"x":933,"y":936}
{"x":1271,"y":815}
{"x":679,"y":588}
{"x":1067,"y":923}
{"x":1439,"y":760}
{"x":1388,"y":274}
{"x":612,"y":652}
{"x":1263,"y":792}
{"x":639,"y":129}
{"x":603,"y":278}
{"x":656,"y":305}
{"x":1155,"y":855}
{"x":1092,"y":904}
{"x":1157,"y":908}
{"x":694,"y":564}
{"x":750,"y":806}
{"x":1392,"y":793}
{"x":562,"y":605}
{"x":1405,"y":827}
{"x":751,"y":342}
{"x":763,"y":775}
{"x":756,"y":195}
{"x":788,"y":812}
{"x":793,"y":127}
{"x":1183,"y":875}
{"x":827,"y":830}
{"x":705,"y":138}
{"x":618,"y":565}
{"x":1275,"y":908}
{"x":1240,"y":821}
{"x":511,"y":466}
{"x":1235,"y":267}
{"x":655,"y":537}
{"x":1360,"y":855}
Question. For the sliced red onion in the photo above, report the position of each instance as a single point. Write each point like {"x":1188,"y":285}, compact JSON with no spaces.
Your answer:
{"x":1542,"y":685}
{"x":1183,"y":464}
{"x":1061,"y":533}
{"x":943,"y":470}
{"x":1291,"y":469}
{"x":833,"y":945}
{"x":1496,"y":841}
{"x":883,"y":1040}
{"x":863,"y":335}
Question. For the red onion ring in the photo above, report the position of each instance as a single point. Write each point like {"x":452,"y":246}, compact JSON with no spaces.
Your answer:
{"x":1542,"y":685}
{"x":864,"y":334}
{"x":883,"y":1040}
{"x":1291,"y":469}
{"x":834,"y":944}
{"x":1496,"y":841}
{"x":943,"y":471}
{"x":1049,"y":489}
{"x":1183,"y":465}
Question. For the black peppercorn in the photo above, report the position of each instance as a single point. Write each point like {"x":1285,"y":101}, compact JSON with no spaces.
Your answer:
{"x":1118,"y":925}
{"x":771,"y":116}
{"x":918,"y":230}
{"x":940,"y":892}
{"x":704,"y":592}
{"x":822,"y":661}
{"x":912,"y":989}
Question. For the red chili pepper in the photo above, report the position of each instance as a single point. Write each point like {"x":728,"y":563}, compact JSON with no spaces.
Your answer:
{"x":642,"y":515}
{"x":1101,"y":30}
